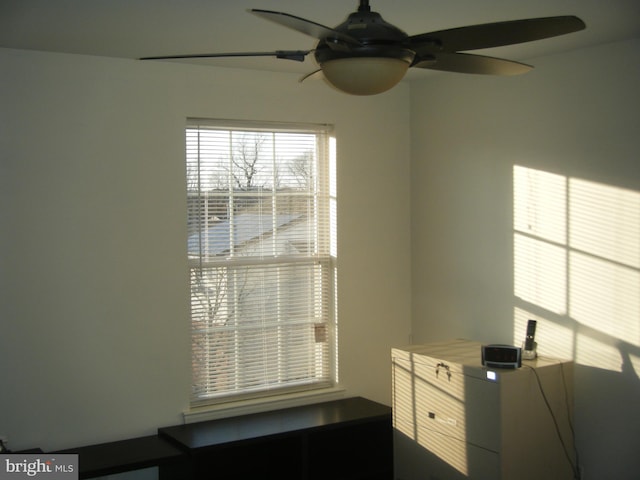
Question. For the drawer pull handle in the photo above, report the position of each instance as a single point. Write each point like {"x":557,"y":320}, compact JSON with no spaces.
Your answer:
{"x":446,"y":367}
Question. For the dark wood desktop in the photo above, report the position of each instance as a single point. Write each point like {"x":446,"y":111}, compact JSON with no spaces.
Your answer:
{"x":349,"y":439}
{"x":343,"y":439}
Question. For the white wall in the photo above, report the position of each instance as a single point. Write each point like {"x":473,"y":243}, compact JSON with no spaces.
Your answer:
{"x":577,"y":116}
{"x":94,"y":336}
{"x":94,"y":342}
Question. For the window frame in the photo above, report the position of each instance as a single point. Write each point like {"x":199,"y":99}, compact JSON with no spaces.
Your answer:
{"x":323,"y":258}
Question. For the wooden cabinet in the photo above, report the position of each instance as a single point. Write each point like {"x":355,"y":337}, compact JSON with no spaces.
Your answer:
{"x":348,"y":439}
{"x":112,"y":458}
{"x":358,"y":452}
{"x":455,"y":419}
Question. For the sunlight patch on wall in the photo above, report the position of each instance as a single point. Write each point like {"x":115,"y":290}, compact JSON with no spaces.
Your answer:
{"x":540,"y":273}
{"x":605,"y":221}
{"x":604,"y":296}
{"x":591,"y":352}
{"x":539,"y":200}
{"x":577,"y":268}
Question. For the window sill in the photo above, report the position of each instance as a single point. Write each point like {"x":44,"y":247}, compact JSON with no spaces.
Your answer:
{"x":265,"y":404}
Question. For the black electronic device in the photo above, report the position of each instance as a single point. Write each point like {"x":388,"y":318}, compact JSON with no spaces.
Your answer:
{"x":529,"y":343}
{"x":501,"y":356}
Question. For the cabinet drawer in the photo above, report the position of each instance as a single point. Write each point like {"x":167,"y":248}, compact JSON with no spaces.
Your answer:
{"x":443,"y":399}
{"x":421,"y":453}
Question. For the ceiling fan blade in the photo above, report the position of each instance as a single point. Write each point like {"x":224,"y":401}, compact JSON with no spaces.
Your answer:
{"x":307,"y":27}
{"x":297,"y":55}
{"x":497,"y":34}
{"x":468,"y":63}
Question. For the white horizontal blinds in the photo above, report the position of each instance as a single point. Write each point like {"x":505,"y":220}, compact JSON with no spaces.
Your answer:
{"x":269,"y":333}
{"x":258,"y":248}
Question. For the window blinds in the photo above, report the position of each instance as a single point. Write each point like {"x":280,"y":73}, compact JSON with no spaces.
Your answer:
{"x":261,"y":272}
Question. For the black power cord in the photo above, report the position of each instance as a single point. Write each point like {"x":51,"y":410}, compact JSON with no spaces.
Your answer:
{"x":574,"y":466}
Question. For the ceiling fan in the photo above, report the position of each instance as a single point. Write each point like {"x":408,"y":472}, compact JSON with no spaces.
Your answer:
{"x":366,"y":55}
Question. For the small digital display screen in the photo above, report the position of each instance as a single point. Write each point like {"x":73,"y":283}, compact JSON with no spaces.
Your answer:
{"x":497,"y":354}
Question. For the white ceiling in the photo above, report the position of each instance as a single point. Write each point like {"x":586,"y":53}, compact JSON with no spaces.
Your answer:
{"x":137,"y":28}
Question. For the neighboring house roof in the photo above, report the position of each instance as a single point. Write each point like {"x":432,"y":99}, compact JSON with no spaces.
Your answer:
{"x":246,"y":227}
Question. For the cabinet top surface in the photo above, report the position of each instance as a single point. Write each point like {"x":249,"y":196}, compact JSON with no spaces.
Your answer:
{"x":278,"y":422}
{"x":124,"y":455}
{"x":465,"y":353}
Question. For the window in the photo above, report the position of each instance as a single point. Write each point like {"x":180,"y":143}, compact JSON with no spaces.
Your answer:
{"x":261,"y":219}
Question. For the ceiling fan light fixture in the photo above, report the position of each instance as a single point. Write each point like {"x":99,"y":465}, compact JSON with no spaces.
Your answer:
{"x":364,"y":75}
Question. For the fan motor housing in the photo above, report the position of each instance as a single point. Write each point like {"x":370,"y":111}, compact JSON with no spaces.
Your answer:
{"x":377,"y":38}
{"x":369,"y":27}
